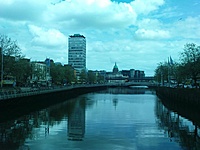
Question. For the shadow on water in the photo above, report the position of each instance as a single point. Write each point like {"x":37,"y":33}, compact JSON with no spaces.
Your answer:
{"x":13,"y":133}
{"x":15,"y":130}
{"x":170,"y":118}
{"x":181,"y":124}
{"x":128,"y":90}
{"x":10,"y":109}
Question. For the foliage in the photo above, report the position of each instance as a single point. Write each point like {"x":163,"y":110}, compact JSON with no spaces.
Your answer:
{"x":83,"y":76}
{"x":10,"y":47}
{"x":91,"y":77}
{"x":14,"y":63}
{"x":70,"y":76}
{"x":188,"y":68}
{"x":57,"y":73}
{"x":190,"y":61}
{"x":22,"y":70}
{"x":61,"y":74}
{"x":161,"y":72}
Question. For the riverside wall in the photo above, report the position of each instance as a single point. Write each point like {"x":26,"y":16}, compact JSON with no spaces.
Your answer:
{"x":183,"y":96}
{"x":28,"y":102}
{"x":184,"y":101}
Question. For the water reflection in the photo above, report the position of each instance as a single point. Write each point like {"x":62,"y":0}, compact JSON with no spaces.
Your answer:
{"x":115,"y":102}
{"x":76,"y":122}
{"x":130,"y":90}
{"x":178,"y":128}
{"x":123,"y":120}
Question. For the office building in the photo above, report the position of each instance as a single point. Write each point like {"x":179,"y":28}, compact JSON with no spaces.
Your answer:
{"x":77,"y":52}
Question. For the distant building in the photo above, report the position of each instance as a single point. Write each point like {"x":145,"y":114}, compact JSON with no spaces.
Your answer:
{"x":135,"y":75}
{"x":139,"y":74}
{"x":116,"y":76}
{"x":115,"y":69}
{"x":40,"y":73}
{"x":77,"y":52}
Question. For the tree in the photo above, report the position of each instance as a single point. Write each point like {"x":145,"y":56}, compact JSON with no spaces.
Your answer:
{"x":69,"y":73}
{"x":22,"y":70}
{"x":83,"y":76}
{"x":190,"y":61}
{"x":10,"y":47}
{"x":162,"y":72}
{"x":57,"y":73}
{"x":91,"y":77}
{"x":14,"y":63}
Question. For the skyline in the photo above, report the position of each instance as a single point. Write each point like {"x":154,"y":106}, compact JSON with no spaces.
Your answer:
{"x":135,"y":34}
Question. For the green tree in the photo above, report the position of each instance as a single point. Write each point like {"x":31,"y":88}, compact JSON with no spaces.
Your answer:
{"x":83,"y":76}
{"x":22,"y":70}
{"x":190,"y":61}
{"x":57,"y":73}
{"x":162,"y":72}
{"x":9,"y":52}
{"x":91,"y":77}
{"x":14,"y":63}
{"x":69,"y":73}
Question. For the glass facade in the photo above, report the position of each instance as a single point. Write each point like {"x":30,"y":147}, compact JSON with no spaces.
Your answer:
{"x":77,"y":52}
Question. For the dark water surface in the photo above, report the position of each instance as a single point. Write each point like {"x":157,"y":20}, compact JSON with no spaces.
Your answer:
{"x":116,"y":119}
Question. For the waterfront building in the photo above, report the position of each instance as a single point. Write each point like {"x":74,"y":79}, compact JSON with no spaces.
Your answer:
{"x":77,"y":53}
{"x":115,"y":69}
{"x":135,"y":75}
{"x":139,"y":74}
{"x":41,"y":73}
{"x":116,"y":76}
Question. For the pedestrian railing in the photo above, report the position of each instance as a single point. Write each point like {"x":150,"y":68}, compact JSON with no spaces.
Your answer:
{"x":14,"y":93}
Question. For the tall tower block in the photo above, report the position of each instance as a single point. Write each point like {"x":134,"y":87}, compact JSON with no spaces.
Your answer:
{"x":77,"y":52}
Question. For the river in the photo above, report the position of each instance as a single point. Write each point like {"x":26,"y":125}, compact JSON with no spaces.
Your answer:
{"x":115,"y":119}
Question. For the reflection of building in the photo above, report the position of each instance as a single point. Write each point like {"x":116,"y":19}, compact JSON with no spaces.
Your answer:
{"x":76,"y":123}
{"x":77,"y":52}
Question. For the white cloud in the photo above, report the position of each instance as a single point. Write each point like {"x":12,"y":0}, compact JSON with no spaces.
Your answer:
{"x":137,"y":35}
{"x":146,"y":6}
{"x":47,"y":37}
{"x":187,"y":28}
{"x":152,"y":34}
{"x":20,"y":10}
{"x":91,"y":14}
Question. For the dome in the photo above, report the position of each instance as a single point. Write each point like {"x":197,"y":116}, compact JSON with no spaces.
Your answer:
{"x":115,"y":69}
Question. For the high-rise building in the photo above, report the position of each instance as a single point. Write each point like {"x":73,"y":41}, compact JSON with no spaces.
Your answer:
{"x":77,"y":52}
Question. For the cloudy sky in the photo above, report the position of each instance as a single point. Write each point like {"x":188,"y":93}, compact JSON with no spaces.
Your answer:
{"x":136,"y":34}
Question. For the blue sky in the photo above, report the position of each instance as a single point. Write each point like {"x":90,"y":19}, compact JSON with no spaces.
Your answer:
{"x":135,"y":34}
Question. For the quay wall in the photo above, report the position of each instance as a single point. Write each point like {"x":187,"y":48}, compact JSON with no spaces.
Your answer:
{"x":31,"y":101}
{"x":184,"y":101}
{"x":191,"y":97}
{"x":48,"y":96}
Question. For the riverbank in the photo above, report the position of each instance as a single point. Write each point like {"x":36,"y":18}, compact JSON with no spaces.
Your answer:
{"x":26,"y":102}
{"x":45,"y":96}
{"x":182,"y":96}
{"x":183,"y":101}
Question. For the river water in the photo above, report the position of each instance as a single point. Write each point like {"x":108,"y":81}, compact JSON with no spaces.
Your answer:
{"x":115,"y":119}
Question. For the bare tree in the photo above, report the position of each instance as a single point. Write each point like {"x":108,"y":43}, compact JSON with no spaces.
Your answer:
{"x":9,"y":47}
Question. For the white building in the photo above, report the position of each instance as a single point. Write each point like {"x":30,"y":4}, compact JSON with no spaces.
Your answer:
{"x":77,"y":52}
{"x":40,"y":73}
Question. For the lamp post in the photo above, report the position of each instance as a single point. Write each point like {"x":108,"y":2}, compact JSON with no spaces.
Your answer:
{"x":1,"y":49}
